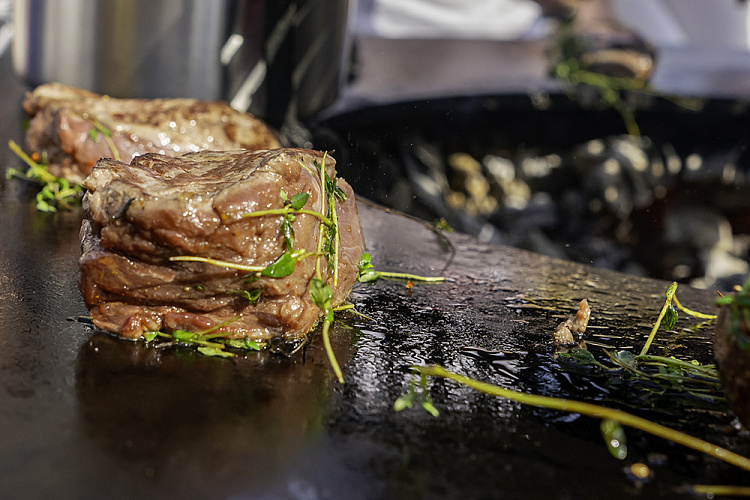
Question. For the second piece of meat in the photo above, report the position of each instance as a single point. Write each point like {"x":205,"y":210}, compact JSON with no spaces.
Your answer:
{"x":71,"y":128}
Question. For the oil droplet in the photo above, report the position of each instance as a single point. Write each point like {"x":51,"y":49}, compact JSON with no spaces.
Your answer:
{"x":640,"y":471}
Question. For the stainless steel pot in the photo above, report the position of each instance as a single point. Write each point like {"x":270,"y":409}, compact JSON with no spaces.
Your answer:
{"x":141,"y":48}
{"x":275,"y":57}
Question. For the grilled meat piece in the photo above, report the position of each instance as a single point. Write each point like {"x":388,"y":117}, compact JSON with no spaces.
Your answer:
{"x":72,"y":128}
{"x":140,"y":215}
{"x":732,"y":352}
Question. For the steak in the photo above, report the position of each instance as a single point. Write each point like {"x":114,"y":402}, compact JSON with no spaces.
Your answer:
{"x":72,"y":128}
{"x":139,"y":217}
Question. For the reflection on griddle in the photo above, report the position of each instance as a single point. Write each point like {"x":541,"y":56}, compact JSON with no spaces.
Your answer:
{"x":174,"y":412}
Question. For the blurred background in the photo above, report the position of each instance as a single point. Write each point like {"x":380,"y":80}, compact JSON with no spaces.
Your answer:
{"x":609,"y":132}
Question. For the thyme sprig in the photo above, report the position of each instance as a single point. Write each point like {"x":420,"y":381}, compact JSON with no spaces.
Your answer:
{"x":280,"y":268}
{"x":322,"y":296}
{"x":418,"y":393}
{"x":287,"y":211}
{"x":592,"y":410}
{"x":667,"y":372}
{"x":328,"y":239}
{"x":56,"y":192}
{"x":209,"y":342}
{"x":569,"y":69}
{"x":100,"y":130}
{"x":367,"y":273}
{"x":667,"y":314}
{"x":217,"y":262}
{"x":320,"y":292}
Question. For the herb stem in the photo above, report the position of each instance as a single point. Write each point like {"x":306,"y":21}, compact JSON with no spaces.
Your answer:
{"x":652,"y":335}
{"x":107,"y":137}
{"x":596,"y":411}
{"x":707,"y":370}
{"x":720,"y":490}
{"x":215,"y":262}
{"x":336,"y":240}
{"x":44,"y":176}
{"x":285,"y":211}
{"x":413,"y":277}
{"x":206,"y":334}
{"x":309,"y":170}
{"x":695,"y":314}
{"x":329,"y":351}
{"x":231,"y":265}
{"x":322,"y":211}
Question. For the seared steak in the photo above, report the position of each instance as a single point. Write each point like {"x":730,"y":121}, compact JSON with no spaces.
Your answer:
{"x":70,"y":126}
{"x":140,"y":215}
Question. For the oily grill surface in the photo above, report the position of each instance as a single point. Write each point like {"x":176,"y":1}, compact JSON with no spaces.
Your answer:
{"x":88,"y":416}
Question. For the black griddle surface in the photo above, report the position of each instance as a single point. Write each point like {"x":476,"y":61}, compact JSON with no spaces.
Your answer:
{"x":83,"y":415}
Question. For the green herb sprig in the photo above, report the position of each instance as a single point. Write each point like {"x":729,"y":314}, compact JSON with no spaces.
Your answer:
{"x":252,"y":296}
{"x":612,"y":91}
{"x":667,"y":314}
{"x":367,"y":273}
{"x":662,"y":373}
{"x":322,"y":296}
{"x":328,"y":240}
{"x":592,"y":410}
{"x":56,"y":192}
{"x":418,"y":393}
{"x":209,"y":342}
{"x":98,"y":130}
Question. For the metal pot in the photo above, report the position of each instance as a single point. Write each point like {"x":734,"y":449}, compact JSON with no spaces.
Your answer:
{"x":123,"y":47}
{"x":261,"y":55}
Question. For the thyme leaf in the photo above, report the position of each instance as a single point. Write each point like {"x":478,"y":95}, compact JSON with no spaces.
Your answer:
{"x":288,"y":231}
{"x":149,"y":336}
{"x":252,"y":296}
{"x":215,"y":351}
{"x":614,"y":437}
{"x":670,"y":318}
{"x":245,"y":343}
{"x":298,"y":201}
{"x":367,"y":272}
{"x":281,"y":267}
